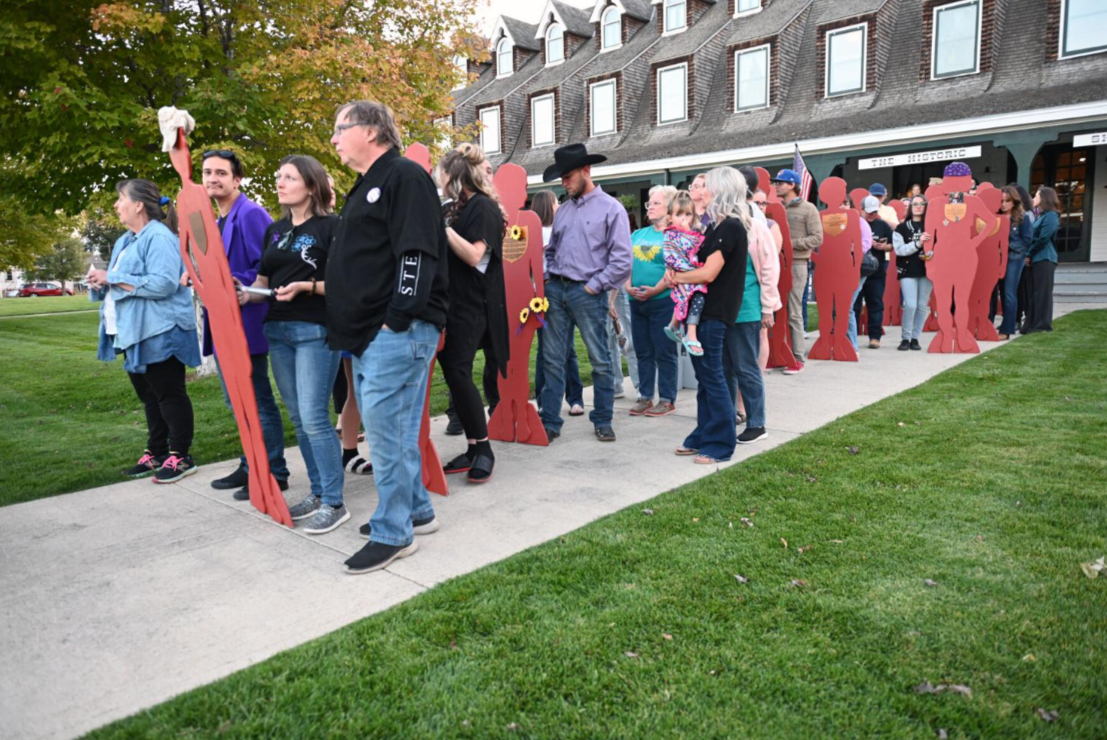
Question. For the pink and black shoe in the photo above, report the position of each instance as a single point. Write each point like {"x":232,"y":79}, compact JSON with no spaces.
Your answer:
{"x":146,"y":465}
{"x":174,"y":468}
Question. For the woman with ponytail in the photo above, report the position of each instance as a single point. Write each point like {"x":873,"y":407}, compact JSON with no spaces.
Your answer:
{"x":478,"y":315}
{"x":147,"y":316}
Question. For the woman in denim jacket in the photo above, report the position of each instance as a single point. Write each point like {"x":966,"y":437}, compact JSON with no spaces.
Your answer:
{"x":147,"y":316}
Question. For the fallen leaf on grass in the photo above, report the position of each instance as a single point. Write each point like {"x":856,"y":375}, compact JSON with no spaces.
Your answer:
{"x":929,"y":583}
{"x":900,"y":424}
{"x":513,"y":727}
{"x":227,"y":725}
{"x":630,"y":654}
{"x":741,"y":578}
{"x":1050,"y":716}
{"x":837,"y":542}
{"x":666,"y":635}
{"x":695,"y":518}
{"x":810,"y":478}
{"x":928,"y":688}
{"x":804,"y":548}
{"x":1092,"y":570}
{"x":942,"y":734}
{"x":647,"y":512}
{"x":798,"y":584}
{"x":785,"y":543}
{"x":853,"y":450}
{"x":1029,"y":658}
{"x":746,"y":521}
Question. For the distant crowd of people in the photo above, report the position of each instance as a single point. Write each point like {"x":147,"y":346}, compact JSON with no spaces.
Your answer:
{"x":349,"y":309}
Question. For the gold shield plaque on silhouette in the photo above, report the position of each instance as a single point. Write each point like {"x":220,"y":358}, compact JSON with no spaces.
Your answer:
{"x":835,"y":223}
{"x":955,"y":211}
{"x":515,"y":244}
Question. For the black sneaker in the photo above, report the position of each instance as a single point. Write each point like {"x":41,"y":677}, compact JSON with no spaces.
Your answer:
{"x":174,"y":468}
{"x":243,"y":494}
{"x":454,"y":428}
{"x":421,"y":526}
{"x":915,"y":344}
{"x":377,"y":555}
{"x":237,"y":479}
{"x":605,"y":434}
{"x":146,"y":465}
{"x":551,"y":435}
{"x":752,"y":434}
{"x":904,"y":345}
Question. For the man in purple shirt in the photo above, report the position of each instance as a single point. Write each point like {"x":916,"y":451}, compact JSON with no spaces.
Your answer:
{"x":242,"y":223}
{"x":588,"y":255}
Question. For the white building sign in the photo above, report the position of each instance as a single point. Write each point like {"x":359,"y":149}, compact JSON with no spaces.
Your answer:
{"x":938,"y":155}
{"x":1090,"y":139}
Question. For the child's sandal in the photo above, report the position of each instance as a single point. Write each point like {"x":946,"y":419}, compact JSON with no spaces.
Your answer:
{"x":694,"y":348}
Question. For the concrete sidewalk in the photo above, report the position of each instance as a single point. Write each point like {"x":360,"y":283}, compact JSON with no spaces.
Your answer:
{"x":118,"y":598}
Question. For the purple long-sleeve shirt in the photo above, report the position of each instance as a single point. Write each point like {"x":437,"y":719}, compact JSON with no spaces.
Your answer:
{"x":591,"y":242}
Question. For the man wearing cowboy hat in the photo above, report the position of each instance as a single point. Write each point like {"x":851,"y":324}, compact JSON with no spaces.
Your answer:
{"x":588,"y":255}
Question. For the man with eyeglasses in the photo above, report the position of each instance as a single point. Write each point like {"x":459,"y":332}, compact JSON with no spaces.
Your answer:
{"x":242,"y":224}
{"x":387,"y":299}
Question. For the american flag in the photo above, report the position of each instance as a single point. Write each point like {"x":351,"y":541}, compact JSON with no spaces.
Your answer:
{"x":805,"y":176}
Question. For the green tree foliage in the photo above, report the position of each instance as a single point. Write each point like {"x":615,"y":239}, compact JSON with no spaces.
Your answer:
{"x":100,"y":229}
{"x":65,"y":261}
{"x":24,"y":236}
{"x":83,"y":80}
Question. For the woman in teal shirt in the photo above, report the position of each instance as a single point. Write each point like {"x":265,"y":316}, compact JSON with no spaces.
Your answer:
{"x":147,"y":316}
{"x":1042,"y":258}
{"x":651,"y":309}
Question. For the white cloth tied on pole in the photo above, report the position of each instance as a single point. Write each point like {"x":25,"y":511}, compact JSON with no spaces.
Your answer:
{"x":169,"y":120}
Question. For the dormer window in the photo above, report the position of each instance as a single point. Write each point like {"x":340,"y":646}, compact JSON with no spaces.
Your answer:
{"x":676,"y":15}
{"x":555,"y":44}
{"x":956,"y":48}
{"x":1083,"y":27}
{"x":611,"y":29}
{"x":751,"y":78}
{"x":845,"y":60}
{"x":746,"y":6}
{"x":503,"y":58}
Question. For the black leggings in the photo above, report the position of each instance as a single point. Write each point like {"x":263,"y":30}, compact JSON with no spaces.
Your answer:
{"x":456,"y":359}
{"x":1039,"y":317}
{"x":169,"y":421}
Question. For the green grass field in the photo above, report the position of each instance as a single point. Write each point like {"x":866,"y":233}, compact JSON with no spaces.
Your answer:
{"x":990,"y":480}
{"x":46,"y":304}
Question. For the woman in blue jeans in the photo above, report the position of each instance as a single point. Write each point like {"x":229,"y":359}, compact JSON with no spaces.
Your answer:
{"x":1022,"y":232}
{"x":910,"y":241}
{"x":724,"y":253}
{"x":293,"y":266}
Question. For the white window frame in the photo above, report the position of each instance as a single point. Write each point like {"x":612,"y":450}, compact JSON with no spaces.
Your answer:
{"x":592,"y":108}
{"x":534,"y":142}
{"x":864,"y":28}
{"x":1061,"y":38}
{"x":461,"y":67}
{"x":934,"y":39}
{"x":605,"y":21}
{"x":555,"y":62}
{"x":660,"y":71}
{"x":768,"y":49}
{"x":510,"y":57}
{"x":485,"y":127}
{"x":739,"y":13}
{"x":665,"y":5}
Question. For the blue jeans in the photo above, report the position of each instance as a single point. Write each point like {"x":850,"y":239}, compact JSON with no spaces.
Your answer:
{"x":1015,"y":265}
{"x":272,"y":426}
{"x":743,"y":372}
{"x":714,"y":435}
{"x":574,"y":388}
{"x":570,"y":303}
{"x":916,"y":305}
{"x":305,"y":369}
{"x":852,"y":332}
{"x":391,"y":382}
{"x":657,"y":354}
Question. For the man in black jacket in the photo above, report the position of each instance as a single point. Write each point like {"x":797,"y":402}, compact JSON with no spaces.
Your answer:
{"x":386,"y":303}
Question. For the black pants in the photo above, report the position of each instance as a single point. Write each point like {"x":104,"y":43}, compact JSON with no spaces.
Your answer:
{"x":490,"y":383}
{"x":1039,"y":317}
{"x":463,"y":337}
{"x":872,"y":293}
{"x":1024,"y":298}
{"x":169,"y":422}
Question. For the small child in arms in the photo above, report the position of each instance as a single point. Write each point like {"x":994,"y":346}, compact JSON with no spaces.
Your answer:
{"x":681,"y":246}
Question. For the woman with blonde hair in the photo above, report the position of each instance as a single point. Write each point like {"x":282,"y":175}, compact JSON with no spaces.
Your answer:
{"x":723,"y":254}
{"x":478,"y":314}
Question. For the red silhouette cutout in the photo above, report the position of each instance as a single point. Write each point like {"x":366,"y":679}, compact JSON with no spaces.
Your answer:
{"x":202,"y":242}
{"x":950,"y":221}
{"x":992,"y":265}
{"x":893,"y":301}
{"x":837,"y":272}
{"x":780,"y":339}
{"x":516,"y":418}
{"x":433,"y":477}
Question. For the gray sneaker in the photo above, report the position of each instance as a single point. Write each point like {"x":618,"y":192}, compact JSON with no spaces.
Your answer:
{"x":326,"y":519}
{"x":305,"y":508}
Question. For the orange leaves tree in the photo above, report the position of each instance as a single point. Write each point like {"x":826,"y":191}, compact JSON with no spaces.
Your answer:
{"x":84,"y":80}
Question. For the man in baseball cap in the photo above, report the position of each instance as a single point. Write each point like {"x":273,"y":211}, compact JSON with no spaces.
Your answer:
{"x":887,"y":213}
{"x":806,"y":228}
{"x":871,"y":290}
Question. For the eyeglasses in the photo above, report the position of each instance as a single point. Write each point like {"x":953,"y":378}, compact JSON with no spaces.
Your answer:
{"x":222,"y":154}
{"x":339,"y":128}
{"x":762,"y":203}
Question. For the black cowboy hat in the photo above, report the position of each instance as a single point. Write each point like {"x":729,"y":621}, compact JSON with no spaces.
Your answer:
{"x":569,"y":158}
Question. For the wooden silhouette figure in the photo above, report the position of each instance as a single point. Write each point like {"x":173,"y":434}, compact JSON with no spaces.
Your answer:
{"x":212,"y":281}
{"x":950,"y":221}
{"x":433,"y":477}
{"x":992,"y":265}
{"x":893,"y":302}
{"x":516,"y":418}
{"x":837,"y":272}
{"x":780,"y":339}
{"x":856,"y":196}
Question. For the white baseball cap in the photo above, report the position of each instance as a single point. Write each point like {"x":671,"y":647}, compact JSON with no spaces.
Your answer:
{"x":870,"y":204}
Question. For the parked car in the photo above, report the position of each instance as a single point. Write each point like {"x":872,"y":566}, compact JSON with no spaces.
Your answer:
{"x":34,"y":290}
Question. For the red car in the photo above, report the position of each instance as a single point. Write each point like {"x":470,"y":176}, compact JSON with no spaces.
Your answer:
{"x":34,"y":290}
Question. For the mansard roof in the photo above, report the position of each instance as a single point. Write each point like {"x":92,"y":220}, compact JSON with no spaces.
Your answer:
{"x":574,"y":19}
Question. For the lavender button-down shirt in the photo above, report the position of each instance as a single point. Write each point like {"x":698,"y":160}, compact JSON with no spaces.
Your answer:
{"x":591,"y":242}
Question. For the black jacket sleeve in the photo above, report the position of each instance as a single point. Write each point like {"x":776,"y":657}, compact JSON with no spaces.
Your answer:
{"x":418,"y":238}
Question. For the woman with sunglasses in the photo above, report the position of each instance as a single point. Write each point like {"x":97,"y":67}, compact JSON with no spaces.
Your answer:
{"x":292,"y":268}
{"x":910,"y":241}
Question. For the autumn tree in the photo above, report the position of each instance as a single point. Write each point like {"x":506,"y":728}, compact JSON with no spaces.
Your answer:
{"x":25,"y":235}
{"x":66,"y":260}
{"x":83,"y":81}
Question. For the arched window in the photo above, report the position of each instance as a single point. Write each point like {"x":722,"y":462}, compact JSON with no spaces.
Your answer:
{"x":503,"y":58}
{"x":555,"y":44}
{"x":612,"y":28}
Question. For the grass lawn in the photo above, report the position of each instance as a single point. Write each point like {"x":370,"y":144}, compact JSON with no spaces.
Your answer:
{"x":990,"y":480}
{"x":72,"y":422}
{"x":46,"y":304}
